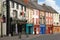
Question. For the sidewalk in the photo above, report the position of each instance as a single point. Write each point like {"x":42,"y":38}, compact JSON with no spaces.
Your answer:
{"x":23,"y":37}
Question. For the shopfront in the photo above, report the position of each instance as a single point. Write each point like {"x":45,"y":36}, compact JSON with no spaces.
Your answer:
{"x":29,"y":28}
{"x":49,"y":29}
{"x":36,"y":29}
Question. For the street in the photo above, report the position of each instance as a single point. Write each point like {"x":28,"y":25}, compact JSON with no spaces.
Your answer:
{"x":34,"y":37}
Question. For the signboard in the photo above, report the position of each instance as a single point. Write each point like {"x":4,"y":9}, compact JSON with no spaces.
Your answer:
{"x":42,"y":25}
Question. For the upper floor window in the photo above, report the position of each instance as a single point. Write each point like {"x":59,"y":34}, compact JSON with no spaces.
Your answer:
{"x":17,"y":6}
{"x":24,"y":8}
{"x":12,"y":4}
{"x":21,"y":7}
{"x":14,"y":13}
{"x":59,"y":17}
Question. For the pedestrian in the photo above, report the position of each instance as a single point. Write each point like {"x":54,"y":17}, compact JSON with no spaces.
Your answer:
{"x":19,"y":29}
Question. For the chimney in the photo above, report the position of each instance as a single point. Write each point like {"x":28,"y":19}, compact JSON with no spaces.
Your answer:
{"x":44,"y":4}
{"x":25,"y":1}
{"x":34,"y":1}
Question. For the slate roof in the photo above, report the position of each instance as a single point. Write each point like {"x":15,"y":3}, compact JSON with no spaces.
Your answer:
{"x":45,"y":8}
{"x":34,"y":5}
{"x":39,"y":7}
{"x":30,"y":4}
{"x":49,"y":8}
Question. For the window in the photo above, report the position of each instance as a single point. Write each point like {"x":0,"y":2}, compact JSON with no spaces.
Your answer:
{"x":40,"y":20}
{"x":24,"y":15}
{"x":59,"y":18}
{"x":17,"y":6}
{"x":14,"y":13}
{"x":25,"y":8}
{"x":12,"y":4}
{"x":21,"y":7}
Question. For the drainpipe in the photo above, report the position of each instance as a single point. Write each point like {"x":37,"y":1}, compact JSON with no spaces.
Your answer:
{"x":1,"y":18}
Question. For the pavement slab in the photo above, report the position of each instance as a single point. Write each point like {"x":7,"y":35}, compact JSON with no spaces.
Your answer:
{"x":34,"y":37}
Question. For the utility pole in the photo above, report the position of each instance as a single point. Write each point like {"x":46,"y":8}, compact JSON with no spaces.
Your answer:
{"x":8,"y":17}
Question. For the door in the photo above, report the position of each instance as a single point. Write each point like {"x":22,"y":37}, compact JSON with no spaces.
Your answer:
{"x":29,"y":30}
{"x":50,"y":30}
{"x":42,"y":30}
{"x":35,"y":30}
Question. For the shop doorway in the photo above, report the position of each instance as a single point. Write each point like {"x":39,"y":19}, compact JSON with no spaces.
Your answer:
{"x":30,"y":29}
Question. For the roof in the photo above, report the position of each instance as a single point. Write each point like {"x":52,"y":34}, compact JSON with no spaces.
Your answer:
{"x":37,"y":6}
{"x":25,"y":4}
{"x":45,"y":8}
{"x":30,"y":4}
{"x":48,"y":8}
{"x":34,"y":5}
{"x":19,"y":1}
{"x":51,"y":9}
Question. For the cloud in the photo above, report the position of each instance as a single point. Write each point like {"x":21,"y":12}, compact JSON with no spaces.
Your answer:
{"x":53,"y":4}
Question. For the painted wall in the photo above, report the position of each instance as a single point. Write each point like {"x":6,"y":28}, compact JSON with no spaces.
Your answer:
{"x":29,"y":15}
{"x":49,"y":18}
{"x":36,"y":17}
{"x":19,"y":10}
{"x":42,"y":16}
{"x":3,"y":10}
{"x":55,"y":18}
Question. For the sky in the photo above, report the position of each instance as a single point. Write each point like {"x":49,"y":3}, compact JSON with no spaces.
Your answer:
{"x":53,"y":3}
